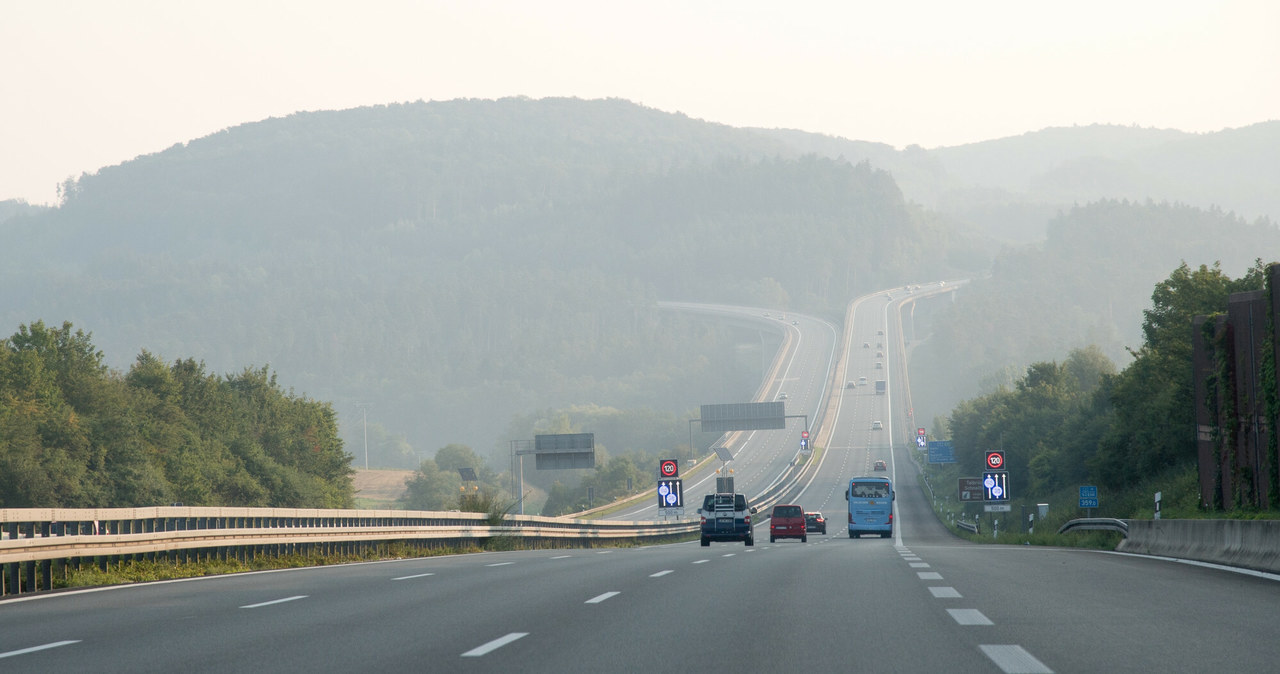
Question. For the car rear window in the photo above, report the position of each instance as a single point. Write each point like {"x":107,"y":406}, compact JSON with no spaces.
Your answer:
{"x":788,"y":511}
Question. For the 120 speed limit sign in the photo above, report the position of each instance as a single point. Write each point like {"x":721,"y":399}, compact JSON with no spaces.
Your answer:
{"x":669,"y":468}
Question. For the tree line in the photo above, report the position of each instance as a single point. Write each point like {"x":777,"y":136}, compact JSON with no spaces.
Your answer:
{"x":77,"y":434}
{"x":1083,"y":422}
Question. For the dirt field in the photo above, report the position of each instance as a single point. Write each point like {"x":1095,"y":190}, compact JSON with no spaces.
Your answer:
{"x":380,"y":485}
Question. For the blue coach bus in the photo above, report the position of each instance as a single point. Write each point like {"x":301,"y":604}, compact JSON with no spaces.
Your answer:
{"x":870,"y":506}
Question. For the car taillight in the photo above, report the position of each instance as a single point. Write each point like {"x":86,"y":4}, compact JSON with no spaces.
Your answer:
{"x":746,"y":518}
{"x":704,"y":519}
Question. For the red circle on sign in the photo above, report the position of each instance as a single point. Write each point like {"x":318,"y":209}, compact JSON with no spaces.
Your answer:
{"x":995,"y":460}
{"x":804,"y":434}
{"x":669,"y":468}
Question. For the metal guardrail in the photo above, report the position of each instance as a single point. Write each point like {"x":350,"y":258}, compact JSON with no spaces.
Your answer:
{"x":38,"y":543}
{"x":971,"y":527}
{"x":1096,"y":524}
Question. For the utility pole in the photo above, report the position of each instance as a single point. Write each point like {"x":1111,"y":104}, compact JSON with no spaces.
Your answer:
{"x":364,"y":413}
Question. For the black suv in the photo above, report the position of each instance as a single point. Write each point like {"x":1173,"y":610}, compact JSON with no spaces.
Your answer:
{"x":726,"y":517}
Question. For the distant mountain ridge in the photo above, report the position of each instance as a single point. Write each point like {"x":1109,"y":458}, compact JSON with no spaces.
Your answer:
{"x":1010,"y":187}
{"x":459,"y":263}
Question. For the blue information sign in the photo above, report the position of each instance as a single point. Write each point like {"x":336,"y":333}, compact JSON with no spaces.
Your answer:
{"x":1089,"y":497}
{"x":941,"y":451}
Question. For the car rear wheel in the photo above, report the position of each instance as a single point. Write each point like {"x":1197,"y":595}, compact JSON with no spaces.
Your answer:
{"x":750,"y":541}
{"x":852,"y":535}
{"x":705,"y":542}
{"x":773,"y":539}
{"x":804,"y":539}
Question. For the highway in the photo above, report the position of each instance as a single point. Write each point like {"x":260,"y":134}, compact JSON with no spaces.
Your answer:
{"x":922,"y":601}
{"x":760,"y":457}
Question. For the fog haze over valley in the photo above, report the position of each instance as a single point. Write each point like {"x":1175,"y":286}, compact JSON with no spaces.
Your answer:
{"x":473,"y":270}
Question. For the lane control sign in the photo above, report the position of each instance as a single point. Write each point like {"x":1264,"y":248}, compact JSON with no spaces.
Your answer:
{"x":995,"y":485}
{"x":670,"y":493}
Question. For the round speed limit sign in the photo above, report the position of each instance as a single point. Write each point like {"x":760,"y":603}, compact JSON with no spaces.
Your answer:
{"x":669,"y":468}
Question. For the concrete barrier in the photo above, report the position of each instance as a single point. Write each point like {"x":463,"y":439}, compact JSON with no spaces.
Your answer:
{"x":1250,"y":544}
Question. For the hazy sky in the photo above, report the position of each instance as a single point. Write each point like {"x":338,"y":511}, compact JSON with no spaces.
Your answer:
{"x":94,"y":83}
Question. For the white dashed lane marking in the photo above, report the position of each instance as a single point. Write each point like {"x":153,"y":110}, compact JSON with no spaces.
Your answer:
{"x":494,"y":645}
{"x":940,"y":592}
{"x":702,"y":561}
{"x":419,"y":575}
{"x":660,"y":573}
{"x":969,"y":616}
{"x":275,"y":601}
{"x":1013,"y":659}
{"x":919,"y":565}
{"x":501,"y":564}
{"x":929,"y":575}
{"x":34,"y":649}
{"x":601,"y":597}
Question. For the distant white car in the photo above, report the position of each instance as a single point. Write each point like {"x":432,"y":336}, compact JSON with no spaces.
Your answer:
{"x":782,"y":396}
{"x":876,"y":425}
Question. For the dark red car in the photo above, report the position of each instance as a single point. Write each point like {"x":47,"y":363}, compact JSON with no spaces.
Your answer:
{"x":787,"y":521}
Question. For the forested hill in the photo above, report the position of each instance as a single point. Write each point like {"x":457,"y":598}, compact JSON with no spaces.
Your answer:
{"x":1012,"y":187}
{"x":457,"y":263}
